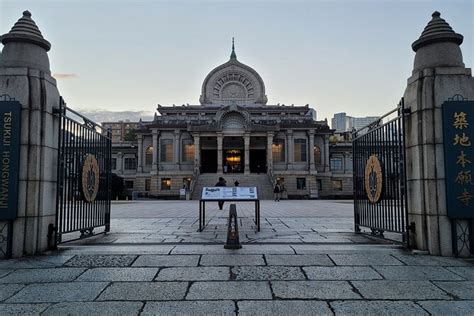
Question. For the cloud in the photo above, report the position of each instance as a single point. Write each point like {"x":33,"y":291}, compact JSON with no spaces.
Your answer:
{"x":100,"y":116}
{"x":64,"y":76}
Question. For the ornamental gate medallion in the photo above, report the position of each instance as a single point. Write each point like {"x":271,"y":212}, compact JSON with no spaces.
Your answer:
{"x":373,"y":179}
{"x":90,"y":178}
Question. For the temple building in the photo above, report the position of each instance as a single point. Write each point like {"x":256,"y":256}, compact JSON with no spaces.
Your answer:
{"x":234,"y":133}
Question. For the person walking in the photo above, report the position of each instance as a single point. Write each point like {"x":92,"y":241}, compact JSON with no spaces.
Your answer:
{"x":277,"y":191}
{"x":236,"y":183}
{"x":221,"y":183}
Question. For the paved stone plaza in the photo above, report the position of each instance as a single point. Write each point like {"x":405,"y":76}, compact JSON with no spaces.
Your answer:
{"x":146,"y":266}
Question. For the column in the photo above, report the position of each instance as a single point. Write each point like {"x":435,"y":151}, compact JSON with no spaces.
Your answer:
{"x":176,"y":147}
{"x":291,"y":149}
{"x":120,"y":162}
{"x":154,"y":165}
{"x":247,"y":153}
{"x":140,"y":153}
{"x":220,"y":140}
{"x":326,"y":153}
{"x":269,"y":151}
{"x":312,"y":167}
{"x":197,"y":152}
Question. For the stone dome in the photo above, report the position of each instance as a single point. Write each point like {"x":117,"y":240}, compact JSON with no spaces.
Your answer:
{"x":233,"y":83}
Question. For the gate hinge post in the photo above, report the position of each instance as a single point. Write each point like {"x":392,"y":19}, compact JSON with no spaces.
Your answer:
{"x":52,"y":230}
{"x":411,"y":227}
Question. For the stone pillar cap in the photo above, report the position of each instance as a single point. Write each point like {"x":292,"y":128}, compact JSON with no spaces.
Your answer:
{"x":437,"y":30}
{"x":26,"y":30}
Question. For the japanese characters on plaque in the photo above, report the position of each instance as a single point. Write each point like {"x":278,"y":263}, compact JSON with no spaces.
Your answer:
{"x":458,"y":132}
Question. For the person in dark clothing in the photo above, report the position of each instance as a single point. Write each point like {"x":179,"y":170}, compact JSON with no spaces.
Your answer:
{"x":221,"y":183}
{"x":236,"y":183}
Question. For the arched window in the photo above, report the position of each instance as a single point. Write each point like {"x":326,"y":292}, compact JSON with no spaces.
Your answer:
{"x":317,"y":155}
{"x":149,"y":156}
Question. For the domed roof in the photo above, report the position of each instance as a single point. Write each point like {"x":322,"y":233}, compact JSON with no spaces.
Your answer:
{"x":233,"y":83}
{"x":26,"y":30}
{"x":437,"y":30}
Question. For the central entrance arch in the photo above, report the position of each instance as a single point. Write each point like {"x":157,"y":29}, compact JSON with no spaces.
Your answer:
{"x":233,"y":156}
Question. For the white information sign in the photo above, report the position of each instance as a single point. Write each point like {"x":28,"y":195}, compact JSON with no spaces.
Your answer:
{"x":229,"y":193}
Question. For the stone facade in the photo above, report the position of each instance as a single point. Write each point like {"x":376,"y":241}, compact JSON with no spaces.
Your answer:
{"x":233,"y":130}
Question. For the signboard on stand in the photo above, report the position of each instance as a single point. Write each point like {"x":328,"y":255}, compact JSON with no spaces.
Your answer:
{"x":229,"y":193}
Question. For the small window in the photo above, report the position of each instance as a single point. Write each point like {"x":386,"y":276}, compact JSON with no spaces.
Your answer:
{"x":167,"y":150}
{"x":128,"y":184}
{"x":149,"y":156}
{"x":337,"y":185}
{"x":114,"y":163}
{"x":319,"y":184}
{"x":317,"y":155}
{"x":147,"y":184}
{"x":336,"y":163}
{"x":300,"y":150}
{"x":130,"y":163}
{"x":165,"y":184}
{"x":301,"y":183}
{"x":188,"y":150}
{"x":278,"y":150}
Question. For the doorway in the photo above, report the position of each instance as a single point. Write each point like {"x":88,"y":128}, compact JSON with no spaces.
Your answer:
{"x":258,"y":160}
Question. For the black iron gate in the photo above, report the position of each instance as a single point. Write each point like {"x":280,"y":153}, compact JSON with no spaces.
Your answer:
{"x":84,"y":162}
{"x":380,"y":199}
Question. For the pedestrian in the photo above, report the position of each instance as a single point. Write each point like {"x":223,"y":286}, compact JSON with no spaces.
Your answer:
{"x":221,"y":183}
{"x":236,"y":183}
{"x":225,"y":168}
{"x":277,"y":191}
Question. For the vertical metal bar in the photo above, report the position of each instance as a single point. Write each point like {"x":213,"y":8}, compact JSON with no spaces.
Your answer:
{"x":404,"y":170}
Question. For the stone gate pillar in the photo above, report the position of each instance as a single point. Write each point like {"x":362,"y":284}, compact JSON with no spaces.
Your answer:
{"x":25,"y":76}
{"x":438,"y":74}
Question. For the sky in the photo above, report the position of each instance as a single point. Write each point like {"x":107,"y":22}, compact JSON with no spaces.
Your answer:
{"x":338,"y":56}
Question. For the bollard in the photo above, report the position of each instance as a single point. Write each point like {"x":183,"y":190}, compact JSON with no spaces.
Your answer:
{"x":233,"y":230}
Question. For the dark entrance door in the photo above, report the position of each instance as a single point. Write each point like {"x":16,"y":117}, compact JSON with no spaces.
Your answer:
{"x":234,"y":161}
{"x":208,"y":160}
{"x":258,"y":160}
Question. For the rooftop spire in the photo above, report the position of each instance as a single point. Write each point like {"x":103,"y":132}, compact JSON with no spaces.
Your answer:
{"x":233,"y":55}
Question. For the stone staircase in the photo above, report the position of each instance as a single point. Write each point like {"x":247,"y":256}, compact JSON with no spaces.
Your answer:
{"x":261,"y":181}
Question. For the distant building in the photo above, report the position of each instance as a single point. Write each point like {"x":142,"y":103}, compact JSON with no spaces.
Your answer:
{"x":120,"y":129}
{"x":341,"y":122}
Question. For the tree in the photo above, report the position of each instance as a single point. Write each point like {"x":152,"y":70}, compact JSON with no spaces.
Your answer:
{"x":130,"y":136}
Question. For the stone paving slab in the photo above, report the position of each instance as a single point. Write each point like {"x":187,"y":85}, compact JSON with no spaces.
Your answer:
{"x":94,"y":308}
{"x":465,"y":272}
{"x":4,"y":272}
{"x":22,"y":309}
{"x":101,"y":261}
{"x":118,"y":249}
{"x":58,"y":292}
{"x":386,"y":308}
{"x":462,"y":290}
{"x":321,"y":290}
{"x":305,"y":249}
{"x":144,"y":291}
{"x":167,"y":261}
{"x":267,"y":273}
{"x":119,"y":274}
{"x":423,"y":260}
{"x":190,"y":308}
{"x":416,"y":273}
{"x":42,"y":275}
{"x":341,"y":273}
{"x":443,"y":308}
{"x":298,"y":260}
{"x":364,"y":260}
{"x":231,"y":290}
{"x":7,"y":290}
{"x":194,"y":274}
{"x":234,"y":260}
{"x":400,"y":290}
{"x":36,"y":262}
{"x":219,"y":249}
{"x":283,"y":308}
